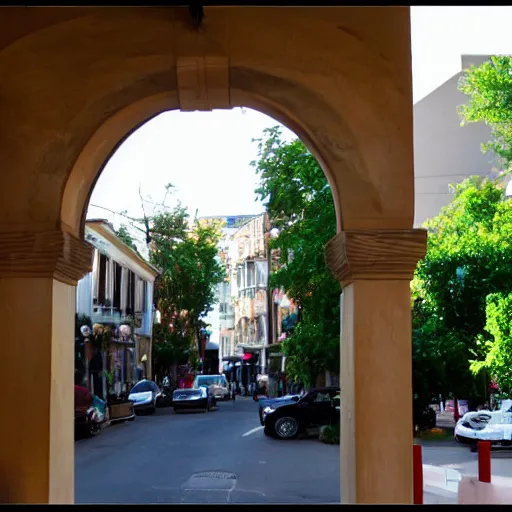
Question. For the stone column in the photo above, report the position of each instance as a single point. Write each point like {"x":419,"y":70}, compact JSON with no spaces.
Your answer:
{"x":374,"y":269}
{"x":38,"y":275}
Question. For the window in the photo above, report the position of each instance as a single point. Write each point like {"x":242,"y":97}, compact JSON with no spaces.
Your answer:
{"x":251,"y":276}
{"x":145,"y":285}
{"x":239,"y":277}
{"x":102,"y":280}
{"x":118,"y":270}
{"x":144,"y":387}
{"x":139,"y":294}
{"x":261,"y":273}
{"x":130,"y":303}
{"x":209,"y":381}
{"x":322,"y":397}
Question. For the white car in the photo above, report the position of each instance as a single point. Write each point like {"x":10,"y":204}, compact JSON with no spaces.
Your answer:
{"x":493,"y":426}
{"x":144,"y":396}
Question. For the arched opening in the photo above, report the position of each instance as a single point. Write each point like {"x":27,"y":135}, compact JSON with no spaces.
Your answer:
{"x":253,"y":333}
{"x":107,"y":138}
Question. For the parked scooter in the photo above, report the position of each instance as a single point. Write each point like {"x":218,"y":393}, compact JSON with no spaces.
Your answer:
{"x":91,"y":413}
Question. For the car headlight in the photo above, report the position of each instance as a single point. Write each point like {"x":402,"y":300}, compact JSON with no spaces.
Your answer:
{"x":267,"y":410}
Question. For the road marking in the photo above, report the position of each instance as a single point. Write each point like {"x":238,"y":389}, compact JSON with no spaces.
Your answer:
{"x":257,"y":429}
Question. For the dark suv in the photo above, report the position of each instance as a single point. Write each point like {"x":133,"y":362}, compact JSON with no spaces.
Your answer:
{"x":321,"y":406}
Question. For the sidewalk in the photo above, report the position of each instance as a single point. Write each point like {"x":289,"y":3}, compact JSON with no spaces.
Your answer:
{"x":440,"y":485}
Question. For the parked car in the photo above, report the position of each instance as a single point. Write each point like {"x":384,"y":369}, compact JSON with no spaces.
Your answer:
{"x":285,"y":420}
{"x":91,"y":413}
{"x":424,"y":417}
{"x":493,"y":426}
{"x":144,"y":396}
{"x":196,"y":398}
{"x":217,"y":384}
{"x":269,"y":402}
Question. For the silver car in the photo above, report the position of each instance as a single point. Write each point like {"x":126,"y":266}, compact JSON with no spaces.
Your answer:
{"x":144,"y":396}
{"x":193,"y":398}
{"x":217,"y":384}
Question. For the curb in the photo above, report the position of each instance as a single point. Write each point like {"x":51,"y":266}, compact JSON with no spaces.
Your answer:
{"x":440,"y":478}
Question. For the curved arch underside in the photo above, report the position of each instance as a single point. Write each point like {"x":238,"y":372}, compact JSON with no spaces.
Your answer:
{"x":77,"y":81}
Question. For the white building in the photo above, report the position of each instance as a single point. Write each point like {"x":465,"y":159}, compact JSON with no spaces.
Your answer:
{"x":444,"y":151}
{"x":119,"y":290}
{"x":222,"y":317}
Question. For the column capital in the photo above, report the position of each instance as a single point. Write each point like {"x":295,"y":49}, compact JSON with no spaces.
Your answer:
{"x":375,"y":254}
{"x":54,"y":254}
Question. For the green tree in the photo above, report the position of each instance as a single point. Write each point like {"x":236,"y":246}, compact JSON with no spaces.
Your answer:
{"x":489,"y":88}
{"x":469,"y":256}
{"x":186,"y":254}
{"x":124,"y":235}
{"x":498,"y":360}
{"x":300,"y":204}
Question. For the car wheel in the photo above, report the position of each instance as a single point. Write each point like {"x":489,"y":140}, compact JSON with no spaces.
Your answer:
{"x":286,"y":427}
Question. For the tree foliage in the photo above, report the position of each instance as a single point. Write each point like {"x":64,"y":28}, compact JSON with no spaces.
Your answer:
{"x":124,"y":235}
{"x":299,"y":202}
{"x":498,"y":360}
{"x":185,"y":252}
{"x":489,"y":88}
{"x":469,"y":257}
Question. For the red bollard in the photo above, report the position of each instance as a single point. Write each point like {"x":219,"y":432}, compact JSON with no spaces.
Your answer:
{"x":417,"y":473}
{"x":456,"y":415}
{"x":484,"y":461}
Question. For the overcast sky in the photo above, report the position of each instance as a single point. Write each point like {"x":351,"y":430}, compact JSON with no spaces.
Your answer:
{"x":206,"y":155}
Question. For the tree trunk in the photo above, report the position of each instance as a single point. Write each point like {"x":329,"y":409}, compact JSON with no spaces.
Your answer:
{"x":328,"y":379}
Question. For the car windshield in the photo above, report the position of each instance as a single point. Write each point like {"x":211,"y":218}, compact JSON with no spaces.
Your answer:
{"x":142,"y":387}
{"x":317,"y":397}
{"x":209,"y":381}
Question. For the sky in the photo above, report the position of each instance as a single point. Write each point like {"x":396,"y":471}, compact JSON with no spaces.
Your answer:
{"x":206,"y":155}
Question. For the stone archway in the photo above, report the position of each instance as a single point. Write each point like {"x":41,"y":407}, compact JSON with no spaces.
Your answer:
{"x":76,"y":81}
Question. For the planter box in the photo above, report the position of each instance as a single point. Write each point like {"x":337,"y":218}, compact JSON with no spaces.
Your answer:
{"x":121,"y":410}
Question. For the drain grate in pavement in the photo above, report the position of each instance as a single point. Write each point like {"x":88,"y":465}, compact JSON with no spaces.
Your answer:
{"x":211,"y":481}
{"x":224,"y":475}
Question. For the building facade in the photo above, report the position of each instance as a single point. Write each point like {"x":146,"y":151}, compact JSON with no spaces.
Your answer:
{"x":221,"y":320}
{"x":444,"y":151}
{"x":115,"y":298}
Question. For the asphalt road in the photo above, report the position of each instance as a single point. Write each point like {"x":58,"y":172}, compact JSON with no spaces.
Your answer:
{"x":203,"y":458}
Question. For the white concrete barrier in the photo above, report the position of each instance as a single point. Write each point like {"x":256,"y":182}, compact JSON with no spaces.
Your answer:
{"x":444,"y":478}
{"x":473,"y":492}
